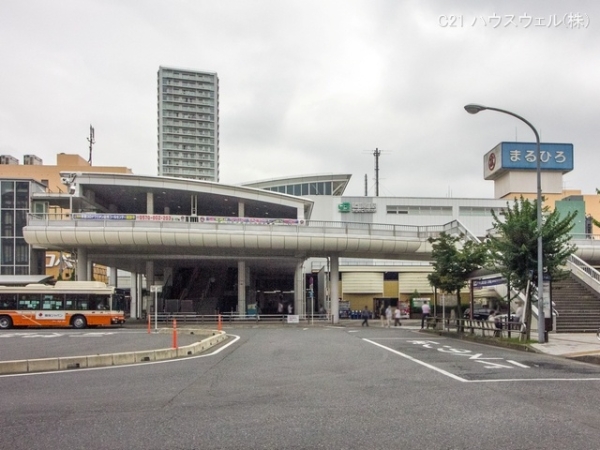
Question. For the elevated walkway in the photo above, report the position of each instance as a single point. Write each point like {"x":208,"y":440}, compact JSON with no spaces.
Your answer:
{"x":246,"y":237}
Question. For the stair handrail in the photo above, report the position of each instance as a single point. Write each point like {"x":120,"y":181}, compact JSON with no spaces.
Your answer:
{"x":462,"y":229}
{"x":584,"y":272}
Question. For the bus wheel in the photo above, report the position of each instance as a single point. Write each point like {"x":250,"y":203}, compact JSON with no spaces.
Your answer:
{"x":5,"y":322}
{"x":78,"y":322}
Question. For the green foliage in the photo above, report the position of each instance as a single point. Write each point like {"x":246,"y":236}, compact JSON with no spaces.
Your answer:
{"x":596,"y":222}
{"x":513,"y":244}
{"x":453,"y":261}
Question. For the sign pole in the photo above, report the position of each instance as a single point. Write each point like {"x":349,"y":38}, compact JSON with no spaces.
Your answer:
{"x":156,"y":288}
{"x":156,"y":310}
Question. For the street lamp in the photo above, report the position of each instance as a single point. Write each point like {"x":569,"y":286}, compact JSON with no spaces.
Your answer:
{"x":474,"y":109}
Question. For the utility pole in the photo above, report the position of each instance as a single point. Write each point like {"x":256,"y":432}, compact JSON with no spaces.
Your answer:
{"x":92,"y":142}
{"x":366,"y":186}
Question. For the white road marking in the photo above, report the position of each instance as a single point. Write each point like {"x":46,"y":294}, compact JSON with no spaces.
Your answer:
{"x":517,"y":364}
{"x":124,"y":366}
{"x":455,"y":377}
{"x":418,"y":361}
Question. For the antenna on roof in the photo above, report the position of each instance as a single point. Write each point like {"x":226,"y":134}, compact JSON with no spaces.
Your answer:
{"x":376,"y":154}
{"x":92,"y":141}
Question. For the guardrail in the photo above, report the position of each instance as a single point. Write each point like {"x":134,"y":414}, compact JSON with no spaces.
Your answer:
{"x":197,"y":319}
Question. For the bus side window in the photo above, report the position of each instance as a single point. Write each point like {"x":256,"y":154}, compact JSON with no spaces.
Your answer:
{"x":29,"y":301}
{"x":8,"y":301}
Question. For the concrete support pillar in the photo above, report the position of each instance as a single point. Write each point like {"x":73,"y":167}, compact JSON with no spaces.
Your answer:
{"x":334,"y":288}
{"x":241,"y":287}
{"x":149,"y":203}
{"x":299,"y":291}
{"x":140,"y":303}
{"x":89,"y":270}
{"x":114,"y":277}
{"x":133,"y":307}
{"x":149,"y":274}
{"x":241,"y":209}
{"x":82,"y":263}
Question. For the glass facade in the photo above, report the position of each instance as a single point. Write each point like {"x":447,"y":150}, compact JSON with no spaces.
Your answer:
{"x":317,"y":188}
{"x":14,"y":206}
{"x":16,"y":255}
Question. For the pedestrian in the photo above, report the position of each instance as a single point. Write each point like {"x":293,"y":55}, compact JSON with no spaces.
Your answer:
{"x":397,"y":314}
{"x":382,"y":315}
{"x":365,"y":317}
{"x":290,"y":309}
{"x":425,"y":312}
{"x":497,"y":324}
{"x":519,"y":313}
{"x":388,"y":316}
{"x":280,"y":306}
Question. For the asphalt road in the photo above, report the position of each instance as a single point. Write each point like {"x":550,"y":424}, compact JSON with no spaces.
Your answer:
{"x":321,"y":388}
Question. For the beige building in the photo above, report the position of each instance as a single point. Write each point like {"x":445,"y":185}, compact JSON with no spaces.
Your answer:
{"x":49,"y":175}
{"x":17,"y":181}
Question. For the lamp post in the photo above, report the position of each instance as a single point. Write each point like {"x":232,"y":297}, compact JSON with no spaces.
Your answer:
{"x":474,"y":109}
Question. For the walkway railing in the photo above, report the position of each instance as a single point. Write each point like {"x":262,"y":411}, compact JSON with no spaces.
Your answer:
{"x":233,"y":317}
{"x":586,"y":273}
{"x":247,"y":223}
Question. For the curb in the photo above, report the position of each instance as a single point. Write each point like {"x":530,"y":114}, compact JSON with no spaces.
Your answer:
{"x":484,"y":340}
{"x":115,"y":359}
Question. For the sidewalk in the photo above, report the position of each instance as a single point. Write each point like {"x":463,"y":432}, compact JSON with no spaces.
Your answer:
{"x":570,"y":345}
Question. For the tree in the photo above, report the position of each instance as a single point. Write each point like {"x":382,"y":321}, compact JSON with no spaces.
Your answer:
{"x":453,"y":261}
{"x":594,"y":221}
{"x":513,"y":246}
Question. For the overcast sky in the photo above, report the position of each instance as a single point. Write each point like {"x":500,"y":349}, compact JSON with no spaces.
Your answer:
{"x":309,"y":86}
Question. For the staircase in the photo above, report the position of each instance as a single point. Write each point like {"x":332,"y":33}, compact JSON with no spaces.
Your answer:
{"x":577,"y":305}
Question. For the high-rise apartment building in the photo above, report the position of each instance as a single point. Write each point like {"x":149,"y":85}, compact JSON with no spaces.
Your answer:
{"x":188,"y":124}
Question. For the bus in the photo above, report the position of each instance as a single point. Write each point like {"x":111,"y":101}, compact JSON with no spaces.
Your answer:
{"x":78,"y":304}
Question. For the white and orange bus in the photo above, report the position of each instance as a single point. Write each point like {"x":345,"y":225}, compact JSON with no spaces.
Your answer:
{"x":67,"y":303}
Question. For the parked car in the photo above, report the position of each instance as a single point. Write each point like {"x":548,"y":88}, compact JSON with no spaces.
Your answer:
{"x":512,"y":318}
{"x":478,"y":313}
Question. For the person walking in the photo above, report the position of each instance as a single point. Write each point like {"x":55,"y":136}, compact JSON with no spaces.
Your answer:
{"x":365,"y":317}
{"x":397,"y":314}
{"x":388,"y":316}
{"x":426,"y":312}
{"x":382,"y":315}
{"x":519,"y":313}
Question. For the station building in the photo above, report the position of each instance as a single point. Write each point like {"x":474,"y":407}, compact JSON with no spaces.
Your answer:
{"x":299,"y":241}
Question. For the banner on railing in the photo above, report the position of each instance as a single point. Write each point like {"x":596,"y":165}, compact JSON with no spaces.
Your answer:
{"x":249,"y":220}
{"x":200,"y":219}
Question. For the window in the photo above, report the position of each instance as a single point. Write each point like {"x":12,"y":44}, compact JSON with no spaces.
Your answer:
{"x":7,"y":191}
{"x":477,"y":211}
{"x":8,"y":251}
{"x":8,"y":301}
{"x":7,"y":223}
{"x":29,"y":301}
{"x":21,"y":221}
{"x":52,"y":302}
{"x":22,"y":194}
{"x":420,"y":210}
{"x":21,"y":251}
{"x":21,"y":270}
